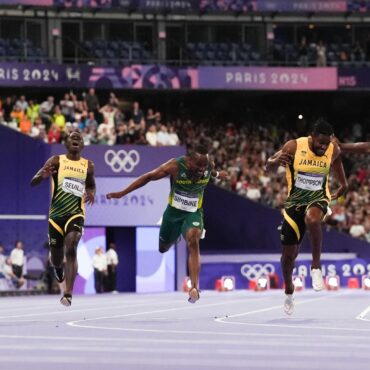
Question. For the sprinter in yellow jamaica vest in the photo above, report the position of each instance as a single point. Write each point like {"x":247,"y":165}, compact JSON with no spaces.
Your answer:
{"x":189,"y":177}
{"x":73,"y":183}
{"x":308,"y":162}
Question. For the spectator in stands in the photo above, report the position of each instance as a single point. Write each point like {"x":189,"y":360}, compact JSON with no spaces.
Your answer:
{"x":91,"y":121}
{"x":25,"y":125}
{"x":113,"y":101}
{"x":92,"y":102}
{"x":6,"y":271}
{"x":67,"y":107}
{"x":17,"y":114}
{"x":357,"y":229}
{"x":321,"y":54}
{"x":137,"y":116}
{"x":22,"y":103}
{"x":162,"y":136}
{"x":173,"y":138}
{"x":303,"y":53}
{"x":17,"y":259}
{"x":112,"y":263}
{"x":32,"y":110}
{"x":151,"y":117}
{"x":36,"y":127}
{"x":151,"y":135}
{"x":99,"y":263}
{"x":54,"y":134}
{"x":106,"y":133}
{"x":46,"y":111}
{"x":357,"y":53}
{"x":58,"y":118}
{"x":8,"y":108}
{"x":109,"y":113}
{"x":122,"y":137}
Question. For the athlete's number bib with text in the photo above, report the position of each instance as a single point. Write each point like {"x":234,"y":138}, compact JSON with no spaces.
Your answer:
{"x":309,"y":181}
{"x":186,"y":202}
{"x":73,"y":186}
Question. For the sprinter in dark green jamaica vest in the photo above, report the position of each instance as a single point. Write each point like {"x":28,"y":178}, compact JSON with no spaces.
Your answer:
{"x":189,"y":177}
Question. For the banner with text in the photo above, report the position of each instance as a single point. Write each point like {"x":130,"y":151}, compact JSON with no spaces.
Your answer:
{"x":245,"y":272}
{"x":265,"y":78}
{"x":164,"y":77}
{"x":208,"y":6}
{"x":142,"y":207}
{"x":353,"y":78}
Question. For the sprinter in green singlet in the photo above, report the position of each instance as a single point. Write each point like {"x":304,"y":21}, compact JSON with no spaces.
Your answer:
{"x":308,"y":162}
{"x":73,"y":184}
{"x":189,"y":177}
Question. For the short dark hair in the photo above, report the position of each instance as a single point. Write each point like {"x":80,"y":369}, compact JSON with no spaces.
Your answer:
{"x":322,"y":127}
{"x":200,"y":148}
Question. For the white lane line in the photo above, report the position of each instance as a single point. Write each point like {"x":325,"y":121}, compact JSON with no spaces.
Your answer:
{"x":250,"y":339}
{"x":363,"y":314}
{"x":184,"y":307}
{"x":272,"y":308}
{"x":151,"y":362}
{"x":64,"y":310}
{"x":224,"y":320}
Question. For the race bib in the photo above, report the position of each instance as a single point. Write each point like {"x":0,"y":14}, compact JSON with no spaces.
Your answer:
{"x":73,"y":186}
{"x":309,"y":181}
{"x":185,"y":201}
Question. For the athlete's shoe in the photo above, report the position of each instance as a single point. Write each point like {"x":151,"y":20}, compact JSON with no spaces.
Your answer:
{"x":317,"y":280}
{"x":59,"y":274}
{"x":203,"y":235}
{"x":289,"y":304}
{"x":193,"y":295}
{"x":66,"y":300}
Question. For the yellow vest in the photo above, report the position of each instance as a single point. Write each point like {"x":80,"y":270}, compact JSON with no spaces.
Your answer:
{"x":308,"y":175}
{"x":68,"y":188}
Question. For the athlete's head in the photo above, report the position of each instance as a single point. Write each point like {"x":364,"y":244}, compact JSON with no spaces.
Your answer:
{"x":198,"y":162}
{"x":74,"y":142}
{"x":321,"y":135}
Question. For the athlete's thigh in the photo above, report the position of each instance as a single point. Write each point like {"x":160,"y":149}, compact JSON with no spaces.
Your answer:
{"x":171,"y":226}
{"x":317,"y":211}
{"x":193,"y":220}
{"x":56,"y":234}
{"x":293,"y":227}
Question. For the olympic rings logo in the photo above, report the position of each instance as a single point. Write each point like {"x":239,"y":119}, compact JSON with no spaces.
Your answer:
{"x":257,"y":270}
{"x":122,"y":160}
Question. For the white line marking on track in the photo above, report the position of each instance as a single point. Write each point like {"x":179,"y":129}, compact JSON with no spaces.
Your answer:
{"x":362,"y":315}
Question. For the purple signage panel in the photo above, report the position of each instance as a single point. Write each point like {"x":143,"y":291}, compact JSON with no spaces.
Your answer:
{"x":143,"y":207}
{"x":262,"y":78}
{"x":27,"y":2}
{"x":144,"y":77}
{"x":160,"y":5}
{"x":354,"y":78}
{"x":83,"y":76}
{"x":218,"y":6}
{"x":302,"y":5}
{"x":245,"y":272}
{"x":125,"y":161}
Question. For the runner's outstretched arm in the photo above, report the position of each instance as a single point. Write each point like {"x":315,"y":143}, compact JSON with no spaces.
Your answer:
{"x":164,"y":170}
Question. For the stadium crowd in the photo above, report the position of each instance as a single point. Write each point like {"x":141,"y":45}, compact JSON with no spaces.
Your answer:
{"x":242,"y":150}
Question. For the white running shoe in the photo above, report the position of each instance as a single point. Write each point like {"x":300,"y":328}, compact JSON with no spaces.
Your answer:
{"x":203,"y":235}
{"x":289,"y":304}
{"x":317,"y":280}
